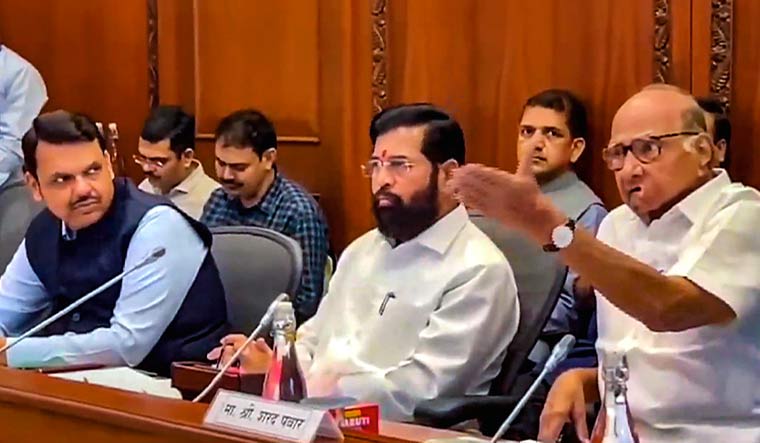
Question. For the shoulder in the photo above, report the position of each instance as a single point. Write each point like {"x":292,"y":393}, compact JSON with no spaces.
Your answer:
{"x":299,"y":201}
{"x":363,"y":244}
{"x":738,"y":209}
{"x":162,"y":217}
{"x":474,"y":249}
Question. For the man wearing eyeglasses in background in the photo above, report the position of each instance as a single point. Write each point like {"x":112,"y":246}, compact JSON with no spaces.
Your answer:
{"x":166,"y":153}
{"x":675,"y":269}
{"x":423,"y":306}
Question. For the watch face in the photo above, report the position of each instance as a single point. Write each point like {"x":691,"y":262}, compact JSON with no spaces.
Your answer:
{"x":562,"y":236}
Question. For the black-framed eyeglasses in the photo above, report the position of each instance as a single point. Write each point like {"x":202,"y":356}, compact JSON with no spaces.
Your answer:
{"x":646,"y":150}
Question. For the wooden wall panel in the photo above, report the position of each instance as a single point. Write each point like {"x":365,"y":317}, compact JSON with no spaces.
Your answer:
{"x":306,"y":64}
{"x":259,"y":53}
{"x":93,"y":58}
{"x":745,"y":97}
{"x":482,"y":59}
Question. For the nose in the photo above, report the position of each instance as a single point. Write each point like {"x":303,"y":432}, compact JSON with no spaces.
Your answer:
{"x":382,"y":179}
{"x":82,"y":187}
{"x":631,"y":165}
{"x":226,"y":173}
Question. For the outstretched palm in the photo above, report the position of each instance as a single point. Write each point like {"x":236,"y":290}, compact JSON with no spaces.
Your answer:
{"x":514,"y":199}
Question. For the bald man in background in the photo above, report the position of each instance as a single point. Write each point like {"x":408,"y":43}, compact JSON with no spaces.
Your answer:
{"x":675,"y":269}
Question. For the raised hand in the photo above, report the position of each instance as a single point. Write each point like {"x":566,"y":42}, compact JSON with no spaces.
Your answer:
{"x":514,"y":199}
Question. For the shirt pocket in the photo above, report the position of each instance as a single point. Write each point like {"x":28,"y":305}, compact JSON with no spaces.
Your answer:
{"x":391,"y":333}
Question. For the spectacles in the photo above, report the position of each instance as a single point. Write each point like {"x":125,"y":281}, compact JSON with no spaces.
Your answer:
{"x":397,"y":167}
{"x":144,"y":161}
{"x":646,"y":150}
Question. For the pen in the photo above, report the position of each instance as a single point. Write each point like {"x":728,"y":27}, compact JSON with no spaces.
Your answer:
{"x":218,"y":363}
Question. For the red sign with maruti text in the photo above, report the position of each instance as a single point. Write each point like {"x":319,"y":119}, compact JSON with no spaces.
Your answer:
{"x":364,"y":418}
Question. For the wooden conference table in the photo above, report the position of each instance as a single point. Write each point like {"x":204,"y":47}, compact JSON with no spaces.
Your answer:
{"x":35,"y":407}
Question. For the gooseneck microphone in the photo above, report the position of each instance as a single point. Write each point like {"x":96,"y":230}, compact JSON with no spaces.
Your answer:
{"x":154,"y":255}
{"x":266,"y":319}
{"x":559,"y":353}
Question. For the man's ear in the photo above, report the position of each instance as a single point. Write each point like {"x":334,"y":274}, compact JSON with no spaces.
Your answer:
{"x":576,"y":149}
{"x":187,"y":157}
{"x":703,"y":146}
{"x":109,"y":165}
{"x":34,"y":186}
{"x":722,"y":146}
{"x":269,"y":157}
{"x":448,"y":167}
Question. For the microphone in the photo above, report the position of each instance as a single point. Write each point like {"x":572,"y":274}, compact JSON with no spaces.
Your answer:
{"x":154,"y":255}
{"x":559,"y":353}
{"x":266,"y":319}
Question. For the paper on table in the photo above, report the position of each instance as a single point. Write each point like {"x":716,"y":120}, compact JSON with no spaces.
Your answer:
{"x":124,"y":378}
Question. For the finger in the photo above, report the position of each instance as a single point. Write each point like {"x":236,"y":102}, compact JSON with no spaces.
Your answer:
{"x":227,"y":353}
{"x":214,"y":354}
{"x":262,"y":346}
{"x":233,"y":339}
{"x":524,"y":168}
{"x":550,"y":426}
{"x":579,"y":419}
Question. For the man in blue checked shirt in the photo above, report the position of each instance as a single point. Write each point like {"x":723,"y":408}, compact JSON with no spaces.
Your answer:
{"x":255,"y":193}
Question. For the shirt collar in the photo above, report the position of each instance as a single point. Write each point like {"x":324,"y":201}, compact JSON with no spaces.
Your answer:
{"x":698,"y":202}
{"x":268,"y":202}
{"x":442,"y":233}
{"x":67,"y":233}
{"x":187,"y":185}
{"x":565,"y":180}
{"x":694,"y":205}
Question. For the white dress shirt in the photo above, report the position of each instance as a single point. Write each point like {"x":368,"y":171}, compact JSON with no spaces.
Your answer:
{"x":703,"y":384}
{"x":22,"y":94}
{"x":431,"y":317}
{"x":190,"y":194}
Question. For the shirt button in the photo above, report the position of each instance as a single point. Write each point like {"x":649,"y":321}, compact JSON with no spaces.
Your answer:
{"x":75,"y":318}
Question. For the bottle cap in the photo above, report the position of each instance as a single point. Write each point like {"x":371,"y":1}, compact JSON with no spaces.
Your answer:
{"x":283,"y":310}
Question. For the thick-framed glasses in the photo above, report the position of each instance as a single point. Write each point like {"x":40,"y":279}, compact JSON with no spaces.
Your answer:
{"x":646,"y":150}
{"x":398,"y":167}
{"x":144,"y":161}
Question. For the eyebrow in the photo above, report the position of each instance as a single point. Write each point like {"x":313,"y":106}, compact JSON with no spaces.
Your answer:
{"x":222,"y":162}
{"x":92,"y":165}
{"x":542,"y":127}
{"x":392,"y":157}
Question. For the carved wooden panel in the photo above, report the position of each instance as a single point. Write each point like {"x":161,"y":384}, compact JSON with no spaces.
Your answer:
{"x":261,"y":54}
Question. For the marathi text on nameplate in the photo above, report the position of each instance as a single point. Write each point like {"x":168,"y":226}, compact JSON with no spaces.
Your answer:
{"x":249,"y":414}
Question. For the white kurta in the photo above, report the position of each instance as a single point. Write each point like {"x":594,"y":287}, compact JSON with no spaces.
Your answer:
{"x":428,"y":318}
{"x":700,"y":385}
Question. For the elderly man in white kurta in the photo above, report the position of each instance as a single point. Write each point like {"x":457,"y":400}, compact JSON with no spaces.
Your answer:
{"x":676,"y":271}
{"x":423,"y":306}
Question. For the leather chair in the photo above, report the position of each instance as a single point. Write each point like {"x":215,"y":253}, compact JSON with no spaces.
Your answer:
{"x":17,"y":209}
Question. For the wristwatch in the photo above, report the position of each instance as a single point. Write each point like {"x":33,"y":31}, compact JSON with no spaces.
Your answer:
{"x":562,"y":236}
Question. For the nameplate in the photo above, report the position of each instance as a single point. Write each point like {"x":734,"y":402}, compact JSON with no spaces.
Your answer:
{"x":248,"y":414}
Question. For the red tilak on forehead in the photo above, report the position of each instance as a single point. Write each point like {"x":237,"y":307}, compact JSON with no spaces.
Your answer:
{"x":384,"y":154}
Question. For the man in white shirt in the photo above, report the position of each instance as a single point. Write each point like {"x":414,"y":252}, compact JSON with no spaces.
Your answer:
{"x":423,"y":306}
{"x":166,"y":153}
{"x":22,"y":95}
{"x":676,"y":270}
